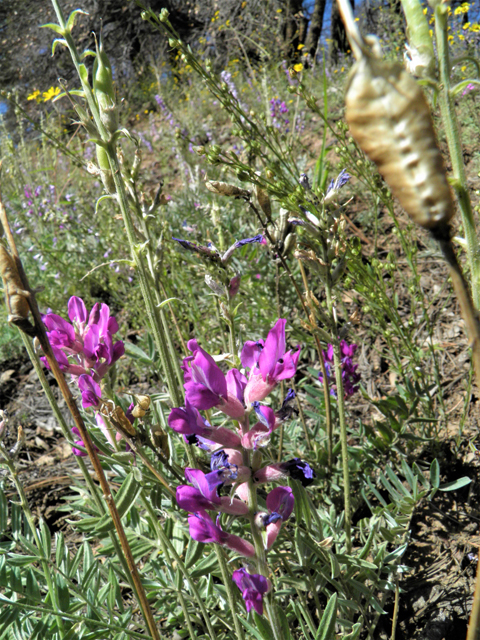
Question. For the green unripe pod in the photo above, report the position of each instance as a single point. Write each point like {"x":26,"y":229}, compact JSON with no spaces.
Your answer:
{"x":105,"y":171}
{"x":104,"y":90}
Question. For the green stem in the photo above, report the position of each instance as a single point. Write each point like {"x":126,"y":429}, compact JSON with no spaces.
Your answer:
{"x":341,"y":419}
{"x":452,"y":133}
{"x":169,"y":549}
{"x":166,"y":357}
{"x":231,"y":596}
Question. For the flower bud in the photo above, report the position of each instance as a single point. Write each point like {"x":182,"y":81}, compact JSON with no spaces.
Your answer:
{"x":163,"y":15}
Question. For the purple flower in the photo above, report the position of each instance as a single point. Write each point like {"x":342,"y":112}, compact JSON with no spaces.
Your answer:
{"x":88,"y":341}
{"x":259,"y":434}
{"x":295,"y":468}
{"x":188,"y":421}
{"x":280,"y":503}
{"x":206,"y":386}
{"x":350,"y":377}
{"x":203,"y":529}
{"x":234,"y":286}
{"x":91,"y":392}
{"x":202,"y":496}
{"x":253,"y":587}
{"x":268,"y":363}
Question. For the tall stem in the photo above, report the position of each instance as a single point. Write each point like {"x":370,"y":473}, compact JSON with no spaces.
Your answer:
{"x":452,"y":133}
{"x":341,"y":419}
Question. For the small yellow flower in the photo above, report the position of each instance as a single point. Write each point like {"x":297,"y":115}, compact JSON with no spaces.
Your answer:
{"x":51,"y":93}
{"x":298,"y":67}
{"x":279,"y":10}
{"x":463,"y":8}
{"x":475,"y":27}
{"x":146,"y":112}
{"x":430,"y":31}
{"x":34,"y":96}
{"x":300,"y":46}
{"x":463,"y":69}
{"x":425,"y":11}
{"x":466,"y":26}
{"x":244,"y":4}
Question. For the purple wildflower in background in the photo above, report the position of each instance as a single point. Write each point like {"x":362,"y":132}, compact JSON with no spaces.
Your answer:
{"x":278,"y":109}
{"x":350,"y":377}
{"x":469,"y":88}
{"x":253,"y":587}
{"x":340,"y":181}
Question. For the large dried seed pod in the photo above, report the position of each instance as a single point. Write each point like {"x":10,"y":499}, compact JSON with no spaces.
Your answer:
{"x":17,"y":303}
{"x":390,"y":120}
{"x":225,"y":189}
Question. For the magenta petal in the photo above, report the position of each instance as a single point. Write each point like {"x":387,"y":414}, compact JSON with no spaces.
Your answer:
{"x":253,"y":587}
{"x":112,"y":325}
{"x":91,"y":392}
{"x":60,"y":326}
{"x":287,"y":366}
{"x":203,"y":529}
{"x":199,"y":481}
{"x":187,"y":420}
{"x":236,"y":383}
{"x":91,"y":342}
{"x":118,"y":351}
{"x":205,"y":371}
{"x":190,"y":499}
{"x":250,"y":353}
{"x":61,"y":358}
{"x":274,"y":348}
{"x":77,"y":312}
{"x":200,"y":397}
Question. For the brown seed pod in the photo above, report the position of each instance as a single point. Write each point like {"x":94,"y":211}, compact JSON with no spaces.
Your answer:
{"x":390,"y":120}
{"x":225,"y":189}
{"x":15,"y":297}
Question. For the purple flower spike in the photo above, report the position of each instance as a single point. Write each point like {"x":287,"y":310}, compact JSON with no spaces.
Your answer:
{"x":253,"y":587}
{"x":350,"y":377}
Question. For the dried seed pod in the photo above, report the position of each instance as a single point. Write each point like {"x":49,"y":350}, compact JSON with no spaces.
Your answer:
{"x":264,"y":201}
{"x":15,"y":297}
{"x":225,"y":189}
{"x":390,"y":120}
{"x":142,"y":406}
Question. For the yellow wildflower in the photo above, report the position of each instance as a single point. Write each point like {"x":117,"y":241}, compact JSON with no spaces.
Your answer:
{"x":466,"y":25}
{"x":51,"y":93}
{"x":463,"y":8}
{"x":475,"y":27}
{"x":300,"y":46}
{"x":298,"y":67}
{"x":34,"y":96}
